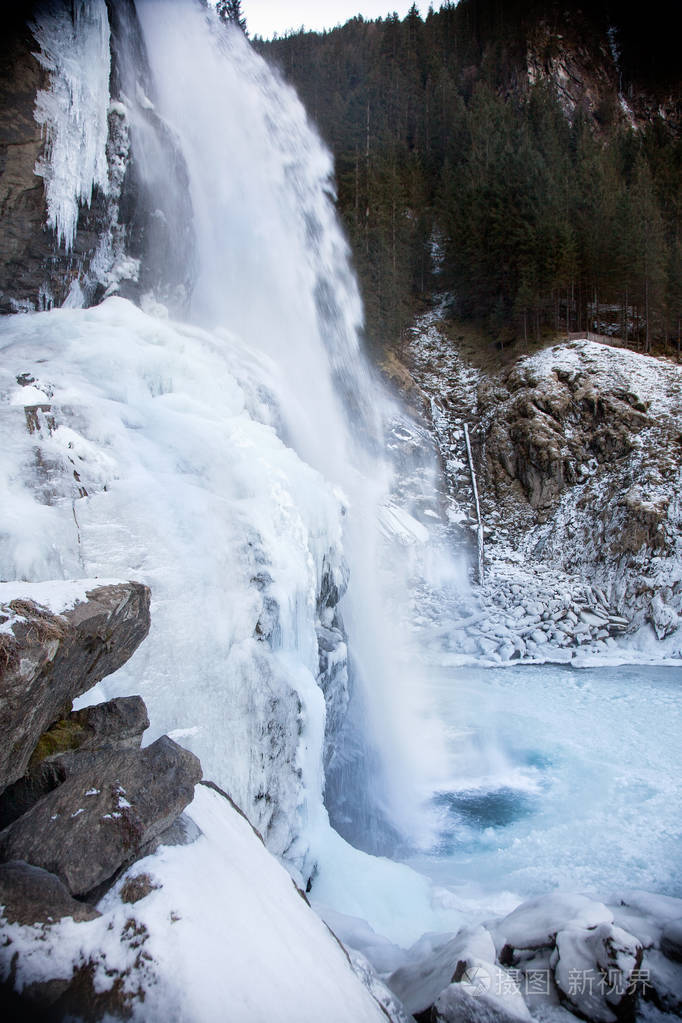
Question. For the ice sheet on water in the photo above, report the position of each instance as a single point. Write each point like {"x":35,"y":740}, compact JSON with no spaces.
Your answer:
{"x":74,"y":49}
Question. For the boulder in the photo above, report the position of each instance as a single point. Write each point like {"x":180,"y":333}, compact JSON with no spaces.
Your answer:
{"x":115,"y":725}
{"x":419,"y":982}
{"x":535,"y":923}
{"x":597,"y":971}
{"x":461,"y":1004}
{"x":30,"y":895}
{"x":102,"y":816}
{"x":48,"y":659}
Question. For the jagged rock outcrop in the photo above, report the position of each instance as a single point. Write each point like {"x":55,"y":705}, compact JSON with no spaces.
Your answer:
{"x":126,"y":240}
{"x":25,"y":247}
{"x":117,"y":724}
{"x":578,"y":50}
{"x":576,"y":452}
{"x":48,"y":659}
{"x":91,"y":800}
{"x":578,"y":449}
{"x":105,"y":813}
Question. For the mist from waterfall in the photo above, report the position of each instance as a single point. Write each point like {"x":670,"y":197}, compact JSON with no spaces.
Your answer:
{"x":273,"y":266}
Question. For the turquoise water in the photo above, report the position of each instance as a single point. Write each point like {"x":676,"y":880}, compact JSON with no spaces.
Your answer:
{"x":559,"y":777}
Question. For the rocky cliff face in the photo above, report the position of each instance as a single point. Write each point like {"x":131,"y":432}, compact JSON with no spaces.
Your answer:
{"x":580,"y":447}
{"x":120,"y":240}
{"x":580,"y":56}
{"x":576,"y":453}
{"x":79,"y":799}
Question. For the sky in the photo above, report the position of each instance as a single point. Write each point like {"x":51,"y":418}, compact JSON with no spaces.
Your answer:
{"x":265,"y":17}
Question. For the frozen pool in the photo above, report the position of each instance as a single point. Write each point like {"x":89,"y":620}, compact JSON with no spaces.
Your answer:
{"x":559,"y":777}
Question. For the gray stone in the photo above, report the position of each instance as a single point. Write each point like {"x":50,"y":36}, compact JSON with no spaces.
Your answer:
{"x":48,"y":660}
{"x":100,"y":818}
{"x":115,"y":725}
{"x":31,"y":895}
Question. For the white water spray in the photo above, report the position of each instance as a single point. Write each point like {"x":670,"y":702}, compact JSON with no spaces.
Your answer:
{"x":232,"y":463}
{"x":274,"y":266}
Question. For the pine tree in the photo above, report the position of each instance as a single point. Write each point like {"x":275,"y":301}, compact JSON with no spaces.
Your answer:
{"x":231,"y":10}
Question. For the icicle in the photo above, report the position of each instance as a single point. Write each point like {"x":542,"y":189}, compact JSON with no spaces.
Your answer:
{"x":479,"y":528}
{"x":73,"y":111}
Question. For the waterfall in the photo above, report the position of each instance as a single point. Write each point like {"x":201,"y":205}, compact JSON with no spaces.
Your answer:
{"x":233,"y":461}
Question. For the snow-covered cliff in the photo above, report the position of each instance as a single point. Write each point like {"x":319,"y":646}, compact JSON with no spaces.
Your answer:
{"x":576,"y":459}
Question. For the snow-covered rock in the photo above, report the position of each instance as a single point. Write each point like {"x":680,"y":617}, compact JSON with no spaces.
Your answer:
{"x":431,"y":965}
{"x":535,"y":923}
{"x":578,"y":485}
{"x":476,"y":1000}
{"x":598,"y":970}
{"x":221,"y":933}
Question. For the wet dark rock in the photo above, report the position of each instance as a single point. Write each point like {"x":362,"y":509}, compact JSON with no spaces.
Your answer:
{"x":100,"y":818}
{"x":48,"y":660}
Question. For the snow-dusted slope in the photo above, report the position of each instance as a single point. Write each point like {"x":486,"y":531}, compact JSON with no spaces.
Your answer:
{"x":222,"y":933}
{"x":576,"y":452}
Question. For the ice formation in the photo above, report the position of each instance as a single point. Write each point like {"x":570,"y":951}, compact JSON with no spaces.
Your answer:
{"x":73,"y":111}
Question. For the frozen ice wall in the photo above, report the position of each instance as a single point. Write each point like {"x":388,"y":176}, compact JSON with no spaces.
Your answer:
{"x":231,"y":462}
{"x":272,"y":262}
{"x":147,"y":456}
{"x":73,"y":111}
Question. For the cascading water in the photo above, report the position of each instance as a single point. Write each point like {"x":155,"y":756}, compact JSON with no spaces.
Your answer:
{"x":274,"y":266}
{"x":232,"y":462}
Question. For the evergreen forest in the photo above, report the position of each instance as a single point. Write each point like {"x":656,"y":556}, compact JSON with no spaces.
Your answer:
{"x":548,"y":217}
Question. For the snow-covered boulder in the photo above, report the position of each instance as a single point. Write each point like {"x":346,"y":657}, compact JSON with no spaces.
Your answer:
{"x":598,"y":971}
{"x":536,"y":922}
{"x":466,"y":1003}
{"x":432,"y":965}
{"x":221,"y":933}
